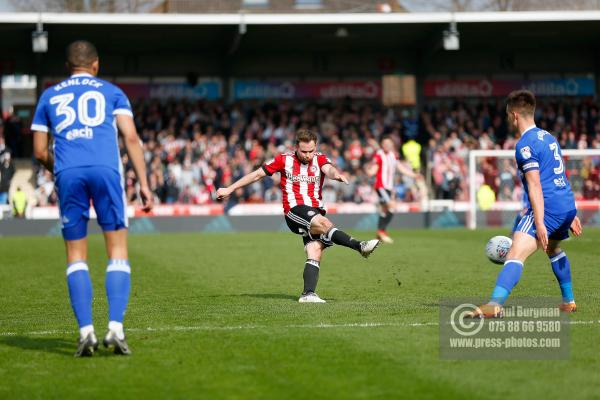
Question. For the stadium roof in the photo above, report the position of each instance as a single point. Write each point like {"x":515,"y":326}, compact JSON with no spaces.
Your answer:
{"x":298,"y":19}
{"x":309,"y":44}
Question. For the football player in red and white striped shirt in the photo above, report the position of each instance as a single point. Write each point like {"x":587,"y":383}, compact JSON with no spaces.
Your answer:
{"x":302,"y":174}
{"x":384,"y":166}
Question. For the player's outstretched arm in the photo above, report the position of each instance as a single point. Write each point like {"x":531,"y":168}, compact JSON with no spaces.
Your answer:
{"x":404,"y":170}
{"x":536,"y":197}
{"x":136,"y":155}
{"x":40,"y":150}
{"x":252,"y":177}
{"x":372,"y":169}
{"x":332,"y":173}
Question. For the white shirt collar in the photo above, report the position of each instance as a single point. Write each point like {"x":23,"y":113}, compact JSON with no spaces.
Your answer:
{"x":81,"y":74}
{"x":527,"y":129}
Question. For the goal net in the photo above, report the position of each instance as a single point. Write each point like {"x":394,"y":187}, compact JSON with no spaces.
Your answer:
{"x":496,"y":192}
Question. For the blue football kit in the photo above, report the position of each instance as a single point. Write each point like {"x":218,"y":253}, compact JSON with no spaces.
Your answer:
{"x":539,"y":150}
{"x":80,"y":113}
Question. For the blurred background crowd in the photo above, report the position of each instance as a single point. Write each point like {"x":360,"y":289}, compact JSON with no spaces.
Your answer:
{"x":192,"y":148}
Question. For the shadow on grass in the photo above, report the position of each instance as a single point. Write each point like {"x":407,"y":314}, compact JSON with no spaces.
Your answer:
{"x":49,"y":345}
{"x":280,"y":296}
{"x":259,"y":296}
{"x":269,"y":296}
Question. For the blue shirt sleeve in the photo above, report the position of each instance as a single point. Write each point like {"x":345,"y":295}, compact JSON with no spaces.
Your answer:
{"x":121,"y":105}
{"x":41,"y":122}
{"x":527,"y":157}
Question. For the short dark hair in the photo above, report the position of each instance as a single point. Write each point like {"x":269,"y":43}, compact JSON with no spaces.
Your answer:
{"x":521,"y":101}
{"x":305,"y":136}
{"x":81,"y":53}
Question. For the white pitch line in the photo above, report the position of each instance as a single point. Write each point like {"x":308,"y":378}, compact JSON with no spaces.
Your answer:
{"x":238,"y":327}
{"x":251,"y":327}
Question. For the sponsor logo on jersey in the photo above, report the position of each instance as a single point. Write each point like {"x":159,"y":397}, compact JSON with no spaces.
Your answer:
{"x":83,"y":133}
{"x":302,"y":178}
{"x":526,"y":152}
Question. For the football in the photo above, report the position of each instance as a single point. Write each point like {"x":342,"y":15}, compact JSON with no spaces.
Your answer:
{"x":497,"y":248}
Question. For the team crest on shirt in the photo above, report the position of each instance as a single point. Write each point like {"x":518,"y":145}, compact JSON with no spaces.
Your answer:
{"x":313,"y":168}
{"x":526,"y":152}
{"x":311,"y":213}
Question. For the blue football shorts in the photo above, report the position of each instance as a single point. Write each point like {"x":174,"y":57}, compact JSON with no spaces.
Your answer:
{"x":101,"y":186}
{"x":557,"y":225}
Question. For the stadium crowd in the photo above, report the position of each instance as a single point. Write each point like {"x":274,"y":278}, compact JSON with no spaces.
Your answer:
{"x":455,"y":128}
{"x":192,"y":148}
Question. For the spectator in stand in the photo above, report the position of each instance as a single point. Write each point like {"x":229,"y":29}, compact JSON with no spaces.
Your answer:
{"x":203,"y":145}
{"x":7,"y":171}
{"x":411,"y":150}
{"x":45,"y":194}
{"x":19,"y":203}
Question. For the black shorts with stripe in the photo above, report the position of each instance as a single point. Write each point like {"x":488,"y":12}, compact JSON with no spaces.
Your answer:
{"x":298,"y":219}
{"x":385,"y":196}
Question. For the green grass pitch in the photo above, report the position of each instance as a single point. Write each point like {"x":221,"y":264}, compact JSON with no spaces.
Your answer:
{"x":216,"y":316}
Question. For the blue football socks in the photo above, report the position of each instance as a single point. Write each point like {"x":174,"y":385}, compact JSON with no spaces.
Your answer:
{"x":80,"y":292}
{"x":507,"y":280}
{"x":562,"y":271}
{"x":118,"y":283}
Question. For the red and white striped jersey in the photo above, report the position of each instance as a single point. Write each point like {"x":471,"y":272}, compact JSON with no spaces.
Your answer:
{"x":300,"y":183}
{"x":387,"y":163}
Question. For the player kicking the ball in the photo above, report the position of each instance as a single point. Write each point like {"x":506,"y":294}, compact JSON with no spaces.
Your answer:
{"x":550,"y":206}
{"x":302,"y":174}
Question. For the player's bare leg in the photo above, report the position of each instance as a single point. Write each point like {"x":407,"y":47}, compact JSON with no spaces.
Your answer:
{"x":314,"y":250}
{"x":385,"y":217}
{"x":77,"y":250}
{"x":322,"y":226}
{"x":562,"y":271}
{"x":523,"y":246}
{"x":80,"y":293}
{"x":117,"y":289}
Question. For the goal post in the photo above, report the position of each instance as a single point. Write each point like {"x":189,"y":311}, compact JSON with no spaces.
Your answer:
{"x":575,"y":160}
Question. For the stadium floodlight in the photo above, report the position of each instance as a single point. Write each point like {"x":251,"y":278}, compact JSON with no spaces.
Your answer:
{"x":452,"y":38}
{"x":39,"y":39}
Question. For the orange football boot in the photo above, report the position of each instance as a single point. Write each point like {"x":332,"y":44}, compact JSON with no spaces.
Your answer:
{"x":487,"y":311}
{"x":568,"y":307}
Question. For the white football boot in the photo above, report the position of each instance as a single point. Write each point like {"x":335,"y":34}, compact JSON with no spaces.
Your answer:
{"x":87,"y":345}
{"x":368,"y":246}
{"x":310,"y":297}
{"x":119,"y":346}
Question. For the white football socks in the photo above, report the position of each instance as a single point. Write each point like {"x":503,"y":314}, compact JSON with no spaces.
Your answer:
{"x":86,"y":330}
{"x":117,"y":328}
